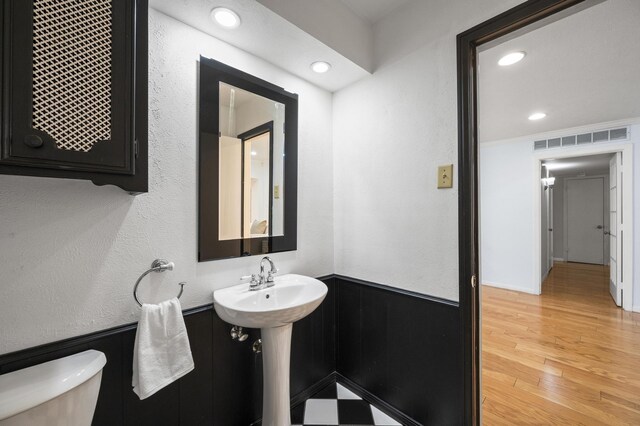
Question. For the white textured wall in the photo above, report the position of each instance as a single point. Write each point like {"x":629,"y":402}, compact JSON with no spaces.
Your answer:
{"x":506,"y":212}
{"x":391,"y":131}
{"x":506,"y":216}
{"x":70,"y":252}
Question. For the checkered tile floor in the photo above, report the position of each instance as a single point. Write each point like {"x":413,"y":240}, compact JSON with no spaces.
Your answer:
{"x":336,"y":405}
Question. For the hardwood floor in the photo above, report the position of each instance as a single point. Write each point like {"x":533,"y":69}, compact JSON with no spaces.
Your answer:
{"x":567,"y":357}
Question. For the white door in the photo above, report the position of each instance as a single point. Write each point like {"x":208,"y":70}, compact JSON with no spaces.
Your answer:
{"x":585,"y":220}
{"x":615,"y":198}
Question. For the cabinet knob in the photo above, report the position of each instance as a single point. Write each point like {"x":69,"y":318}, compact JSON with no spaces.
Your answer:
{"x":33,"y":141}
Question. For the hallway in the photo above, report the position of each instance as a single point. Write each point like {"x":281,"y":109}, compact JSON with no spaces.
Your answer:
{"x":569,"y":356}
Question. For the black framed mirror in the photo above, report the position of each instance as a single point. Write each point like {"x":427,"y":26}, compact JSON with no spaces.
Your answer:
{"x":248,"y":164}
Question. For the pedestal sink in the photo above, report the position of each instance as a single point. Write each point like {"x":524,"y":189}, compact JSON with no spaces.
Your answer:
{"x":273,"y":310}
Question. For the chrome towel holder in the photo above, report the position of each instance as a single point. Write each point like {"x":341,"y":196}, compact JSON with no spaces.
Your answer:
{"x":158,"y":265}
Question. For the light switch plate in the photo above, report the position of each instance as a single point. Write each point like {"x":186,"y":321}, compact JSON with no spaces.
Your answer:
{"x":445,"y":176}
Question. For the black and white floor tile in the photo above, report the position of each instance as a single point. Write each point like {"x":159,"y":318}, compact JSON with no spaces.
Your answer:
{"x":336,"y":405}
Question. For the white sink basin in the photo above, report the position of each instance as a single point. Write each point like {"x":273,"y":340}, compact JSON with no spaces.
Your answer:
{"x":291,"y":298}
{"x":273,"y":310}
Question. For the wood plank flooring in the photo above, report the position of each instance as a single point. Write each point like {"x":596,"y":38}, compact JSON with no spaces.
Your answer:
{"x":567,"y":357}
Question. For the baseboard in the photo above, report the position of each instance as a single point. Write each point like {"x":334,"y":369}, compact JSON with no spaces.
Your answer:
{"x":377,"y":402}
{"x":636,"y":308}
{"x":355,"y":388}
{"x":559,"y":259}
{"x":313,"y":389}
{"x":544,"y":277}
{"x":510,"y":287}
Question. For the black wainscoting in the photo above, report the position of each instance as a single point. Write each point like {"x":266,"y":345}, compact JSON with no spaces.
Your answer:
{"x":225,"y":389}
{"x":398,"y":350}
{"x":403,"y":348}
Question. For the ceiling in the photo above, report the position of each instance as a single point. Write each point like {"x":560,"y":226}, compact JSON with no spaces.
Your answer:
{"x":579,"y":70}
{"x":373,"y":10}
{"x":574,"y":166}
{"x":268,"y":36}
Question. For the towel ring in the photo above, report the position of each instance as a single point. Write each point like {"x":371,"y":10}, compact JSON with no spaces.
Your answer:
{"x":158,"y":265}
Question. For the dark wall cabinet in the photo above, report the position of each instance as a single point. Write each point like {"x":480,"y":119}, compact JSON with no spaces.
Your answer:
{"x":74,"y":90}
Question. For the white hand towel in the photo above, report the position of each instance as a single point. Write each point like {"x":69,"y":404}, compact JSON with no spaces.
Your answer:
{"x":161,"y":353}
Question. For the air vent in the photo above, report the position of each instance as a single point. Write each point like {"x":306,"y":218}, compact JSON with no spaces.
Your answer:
{"x":554,"y":143}
{"x":585,"y":138}
{"x":618,"y":134}
{"x":601,"y":136}
{"x":540,"y":145}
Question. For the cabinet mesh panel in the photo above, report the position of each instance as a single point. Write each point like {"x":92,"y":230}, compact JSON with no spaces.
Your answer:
{"x":72,"y":71}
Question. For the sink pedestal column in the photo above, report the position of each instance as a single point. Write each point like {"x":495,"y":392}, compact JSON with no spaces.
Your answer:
{"x":276,"y":355}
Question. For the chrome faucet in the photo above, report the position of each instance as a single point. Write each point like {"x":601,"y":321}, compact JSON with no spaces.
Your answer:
{"x":260,"y":281}
{"x":268,"y":280}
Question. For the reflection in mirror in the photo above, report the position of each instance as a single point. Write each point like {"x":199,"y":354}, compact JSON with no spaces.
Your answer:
{"x":248,"y":164}
{"x":251,"y":192}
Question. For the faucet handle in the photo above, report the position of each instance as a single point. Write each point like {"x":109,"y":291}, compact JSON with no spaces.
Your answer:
{"x":255,"y":281}
{"x":270,"y":282}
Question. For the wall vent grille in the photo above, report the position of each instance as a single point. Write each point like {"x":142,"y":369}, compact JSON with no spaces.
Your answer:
{"x":617,"y":134}
{"x":72,"y":71}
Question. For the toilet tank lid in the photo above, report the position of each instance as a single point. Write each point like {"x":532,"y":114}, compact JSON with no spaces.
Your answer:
{"x":27,"y":388}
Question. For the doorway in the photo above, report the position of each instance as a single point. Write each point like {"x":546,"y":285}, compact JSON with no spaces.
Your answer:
{"x":585,"y":219}
{"x":257,"y":181}
{"x":590,"y":214}
{"x":508,"y":23}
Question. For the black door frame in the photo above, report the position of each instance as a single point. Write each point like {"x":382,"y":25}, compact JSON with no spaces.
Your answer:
{"x":250,"y":134}
{"x":467,"y":43}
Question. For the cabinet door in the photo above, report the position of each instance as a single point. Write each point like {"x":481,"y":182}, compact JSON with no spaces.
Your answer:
{"x":69,"y":86}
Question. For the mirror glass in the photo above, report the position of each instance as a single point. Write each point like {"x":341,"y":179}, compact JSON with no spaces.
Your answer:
{"x":251,"y":167}
{"x":248,"y":164}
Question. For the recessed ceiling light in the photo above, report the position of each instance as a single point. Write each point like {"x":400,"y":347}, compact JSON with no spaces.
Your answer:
{"x":225,"y":17}
{"x":254,"y":153}
{"x":320,"y":67}
{"x":537,"y":116}
{"x":511,"y":58}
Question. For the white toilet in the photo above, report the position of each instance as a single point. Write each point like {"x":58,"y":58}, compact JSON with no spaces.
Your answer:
{"x":62,"y":392}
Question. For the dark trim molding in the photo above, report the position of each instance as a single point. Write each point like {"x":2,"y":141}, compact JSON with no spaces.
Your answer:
{"x":398,"y":290}
{"x":467,"y":43}
{"x":46,"y":348}
{"x":374,"y":400}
